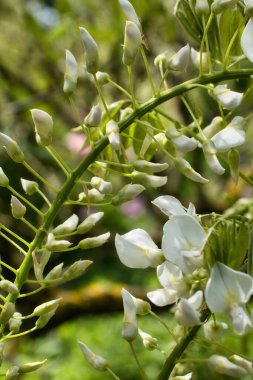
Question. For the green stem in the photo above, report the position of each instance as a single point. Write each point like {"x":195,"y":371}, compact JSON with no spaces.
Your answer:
{"x":179,"y":349}
{"x":64,"y":167}
{"x":131,"y":85}
{"x":13,"y":243}
{"x":15,"y":235}
{"x":101,"y":96}
{"x":112,"y":373}
{"x":8,"y":266}
{"x":37,"y":175}
{"x":231,"y":43}
{"x":120,"y":88}
{"x":63,"y":193}
{"x":203,"y":42}
{"x":29,"y":224}
{"x":44,"y":197}
{"x":143,"y":374}
{"x":148,"y":70}
{"x":163,"y":323}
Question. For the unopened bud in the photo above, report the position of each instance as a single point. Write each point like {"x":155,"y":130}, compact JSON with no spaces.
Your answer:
{"x":94,"y":242}
{"x":149,"y":167}
{"x":234,"y":163}
{"x":148,"y":180}
{"x":129,"y":331}
{"x":129,"y":327}
{"x":246,"y":364}
{"x":211,"y":158}
{"x":56,"y":245}
{"x":92,"y":195}
{"x":54,"y":273}
{"x":218,"y":6}
{"x":101,"y":185}
{"x":202,"y":7}
{"x":12,"y":148}
{"x":4,"y":180}
{"x":129,"y":12}
{"x":15,"y":323}
{"x":12,"y":373}
{"x":71,"y":73}
{"x":17,"y":208}
{"x":185,"y":168}
{"x":132,"y":43}
{"x":214,"y":127}
{"x":93,"y":119}
{"x":31,"y":367}
{"x":8,"y":286}
{"x":180,"y":60}
{"x":98,"y":168}
{"x":112,"y":132}
{"x":30,"y":187}
{"x":7,"y":312}
{"x":102,"y":78}
{"x":127,"y":193}
{"x":76,"y":269}
{"x":149,"y":342}
{"x":46,"y":307}
{"x":43,"y":320}
{"x":67,"y":227}
{"x":89,"y":222}
{"x":43,"y":126}
{"x":96,"y":361}
{"x":91,"y":50}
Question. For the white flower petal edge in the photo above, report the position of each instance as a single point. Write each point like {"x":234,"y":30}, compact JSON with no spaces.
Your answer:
{"x":247,"y":40}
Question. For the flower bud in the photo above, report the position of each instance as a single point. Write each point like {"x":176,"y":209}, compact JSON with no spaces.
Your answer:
{"x":12,"y":148}
{"x":211,"y":158}
{"x":149,"y":342}
{"x":30,"y":187}
{"x":129,"y":12}
{"x":149,"y":167}
{"x":102,"y":78}
{"x":132,"y":43}
{"x":31,"y":367}
{"x":39,"y":266}
{"x":214,"y":330}
{"x":181,"y":142}
{"x":67,"y":227}
{"x":71,"y":73}
{"x":7,"y":312}
{"x":228,"y":99}
{"x":185,"y":168}
{"x":94,"y":242}
{"x":92,"y":195}
{"x":46,"y":307}
{"x":112,"y":132}
{"x":15,"y":323}
{"x":17,"y":208}
{"x":149,"y":180}
{"x":234,"y":163}
{"x":97,"y":362}
{"x":8,"y":286}
{"x":54,"y":273}
{"x":218,"y":6}
{"x":56,"y":245}
{"x":93,"y":119}
{"x":98,"y":168}
{"x":180,"y":60}
{"x":214,"y":127}
{"x":202,"y":7}
{"x":89,"y":222}
{"x":246,"y":364}
{"x":160,"y":61}
{"x":127,"y":193}
{"x":222,"y":365}
{"x":91,"y":50}
{"x":101,"y":185}
{"x":4,"y":180}
{"x":43,"y":126}
{"x":43,"y":319}
{"x":12,"y":373}
{"x":76,"y":269}
{"x":129,"y":327}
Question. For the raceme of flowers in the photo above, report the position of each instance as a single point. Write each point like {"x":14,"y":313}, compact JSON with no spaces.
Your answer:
{"x":185,"y":283}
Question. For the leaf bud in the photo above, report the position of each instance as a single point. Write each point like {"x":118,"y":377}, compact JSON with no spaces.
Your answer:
{"x":149,"y":167}
{"x":46,"y":307}
{"x":94,"y":242}
{"x":12,"y":148}
{"x":7,"y":312}
{"x":96,"y":361}
{"x":29,"y":187}
{"x":15,"y":323}
{"x":71,"y":73}
{"x":148,"y":180}
{"x":67,"y":227}
{"x":218,"y":6}
{"x":129,"y":12}
{"x":91,"y":50}
{"x":8,"y":286}
{"x":12,"y":373}
{"x":17,"y":208}
{"x":185,"y":168}
{"x":101,"y":185}
{"x":112,"y":132}
{"x":56,"y":245}
{"x":4,"y":180}
{"x":93,"y":119}
{"x":89,"y":222}
{"x":132,"y":43}
{"x":43,"y":123}
{"x":102,"y":78}
{"x":31,"y":367}
{"x":76,"y":269}
{"x":127,"y":193}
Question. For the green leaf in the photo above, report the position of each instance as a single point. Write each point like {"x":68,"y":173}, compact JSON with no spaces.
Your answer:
{"x":231,"y":21}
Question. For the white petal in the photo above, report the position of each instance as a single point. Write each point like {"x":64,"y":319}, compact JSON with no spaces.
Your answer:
{"x":180,"y":60}
{"x":231,"y":136}
{"x":186,"y":315}
{"x":228,"y":99}
{"x":169,"y":205}
{"x":196,"y":299}
{"x":222,"y":365}
{"x":184,"y":143}
{"x":162,"y":297}
{"x":247,"y":40}
{"x":240,"y":319}
{"x":169,"y":275}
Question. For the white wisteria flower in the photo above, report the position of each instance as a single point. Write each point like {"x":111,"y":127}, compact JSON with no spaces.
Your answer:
{"x":136,"y":249}
{"x":183,"y":242}
{"x":246,"y":40}
{"x":180,"y":60}
{"x":170,"y":206}
{"x":229,"y":99}
{"x":231,"y":136}
{"x":214,"y":330}
{"x":129,"y":329}
{"x":222,"y":365}
{"x":187,"y":313}
{"x":228,"y":290}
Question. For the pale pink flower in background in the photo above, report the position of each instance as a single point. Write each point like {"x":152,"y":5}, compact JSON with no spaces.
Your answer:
{"x":75,"y":143}
{"x":133,"y":208}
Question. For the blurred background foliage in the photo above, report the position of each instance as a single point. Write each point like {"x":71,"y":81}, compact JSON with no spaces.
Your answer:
{"x":34,"y":36}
